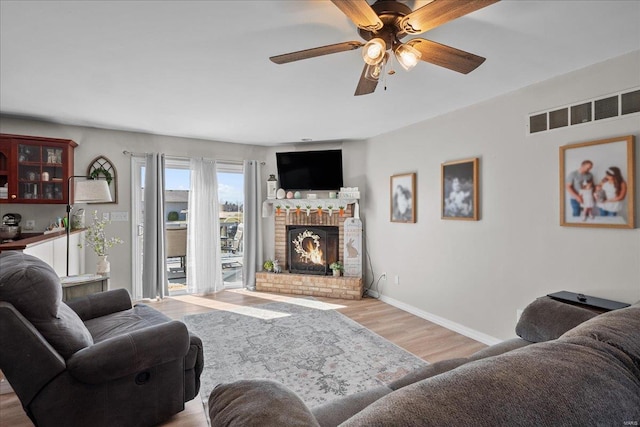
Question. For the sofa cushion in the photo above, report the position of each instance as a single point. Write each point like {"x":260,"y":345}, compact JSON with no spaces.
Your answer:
{"x":336,"y":411}
{"x":65,"y":332}
{"x":427,"y":372}
{"x":618,"y":328}
{"x":259,"y":403}
{"x":34,"y":289}
{"x":126,"y":321}
{"x":500,"y":348}
{"x":546,"y":319}
{"x":551,"y":383}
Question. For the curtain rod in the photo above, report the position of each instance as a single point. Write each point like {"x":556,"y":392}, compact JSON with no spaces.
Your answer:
{"x":129,"y":153}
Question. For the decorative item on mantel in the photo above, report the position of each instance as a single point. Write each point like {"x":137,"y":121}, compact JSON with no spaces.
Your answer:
{"x":346,"y":196}
{"x":97,"y":240}
{"x":272,"y":185}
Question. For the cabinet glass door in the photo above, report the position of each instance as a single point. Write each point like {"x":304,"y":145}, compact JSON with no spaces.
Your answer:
{"x":40,"y":172}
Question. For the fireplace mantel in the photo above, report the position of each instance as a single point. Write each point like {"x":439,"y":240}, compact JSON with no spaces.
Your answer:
{"x":269,"y":206}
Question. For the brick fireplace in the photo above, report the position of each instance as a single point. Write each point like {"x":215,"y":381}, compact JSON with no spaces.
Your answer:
{"x":315,"y":284}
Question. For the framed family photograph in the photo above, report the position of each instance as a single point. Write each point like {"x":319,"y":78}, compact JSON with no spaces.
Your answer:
{"x":403,"y":198}
{"x":460,"y":190}
{"x":597,"y":183}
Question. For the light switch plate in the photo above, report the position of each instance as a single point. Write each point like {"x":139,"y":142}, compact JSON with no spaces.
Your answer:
{"x":119,"y":216}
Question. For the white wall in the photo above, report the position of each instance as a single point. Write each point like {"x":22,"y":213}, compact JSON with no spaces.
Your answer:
{"x":94,"y":142}
{"x":477,"y":274}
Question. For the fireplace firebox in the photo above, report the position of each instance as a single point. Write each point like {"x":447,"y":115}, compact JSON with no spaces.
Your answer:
{"x":312,"y":249}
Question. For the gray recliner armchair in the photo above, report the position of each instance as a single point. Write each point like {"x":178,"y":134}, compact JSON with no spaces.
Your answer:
{"x":95,"y":360}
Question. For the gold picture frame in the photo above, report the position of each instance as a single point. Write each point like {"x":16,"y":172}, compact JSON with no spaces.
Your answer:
{"x":597,"y":183}
{"x":460,"y":195}
{"x":403,"y":198}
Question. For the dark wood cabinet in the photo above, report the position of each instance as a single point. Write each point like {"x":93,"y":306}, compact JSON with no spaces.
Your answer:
{"x":35,"y":169}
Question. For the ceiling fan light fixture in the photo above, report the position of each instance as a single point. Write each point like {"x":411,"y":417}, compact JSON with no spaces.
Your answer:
{"x":373,"y":51}
{"x":408,"y":56}
{"x":374,"y":71}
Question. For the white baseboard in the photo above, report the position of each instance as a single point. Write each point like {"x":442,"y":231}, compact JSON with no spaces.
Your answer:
{"x":456,"y":327}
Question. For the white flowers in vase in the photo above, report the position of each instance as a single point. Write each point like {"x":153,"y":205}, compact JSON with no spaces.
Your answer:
{"x":96,"y":237}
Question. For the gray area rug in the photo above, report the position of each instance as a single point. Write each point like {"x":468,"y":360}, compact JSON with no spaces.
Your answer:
{"x":317,"y":352}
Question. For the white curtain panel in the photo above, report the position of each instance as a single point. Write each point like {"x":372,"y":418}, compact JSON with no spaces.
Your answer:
{"x":204,"y":268}
{"x":252,"y":222}
{"x":154,"y":262}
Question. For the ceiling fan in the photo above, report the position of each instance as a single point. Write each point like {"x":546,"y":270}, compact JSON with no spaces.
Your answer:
{"x":386,"y":22}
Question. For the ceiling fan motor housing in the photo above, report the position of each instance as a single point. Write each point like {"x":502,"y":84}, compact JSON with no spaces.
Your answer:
{"x":390,"y":13}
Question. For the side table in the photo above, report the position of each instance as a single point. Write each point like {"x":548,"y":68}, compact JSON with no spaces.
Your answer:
{"x":82,"y":285}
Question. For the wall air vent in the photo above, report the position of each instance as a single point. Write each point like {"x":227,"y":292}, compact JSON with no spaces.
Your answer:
{"x":604,"y":107}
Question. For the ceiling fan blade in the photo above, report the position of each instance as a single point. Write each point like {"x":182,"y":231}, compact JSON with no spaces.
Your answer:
{"x":440,"y":12}
{"x":365,"y":86}
{"x":316,"y":51}
{"x":447,"y":56}
{"x":360,"y":13}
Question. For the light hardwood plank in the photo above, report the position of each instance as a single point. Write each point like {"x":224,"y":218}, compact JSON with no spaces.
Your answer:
{"x":418,"y":336}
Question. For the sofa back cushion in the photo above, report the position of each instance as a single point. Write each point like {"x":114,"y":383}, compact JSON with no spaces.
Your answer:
{"x":34,"y":289}
{"x":30,"y":285}
{"x":546,"y":319}
{"x":618,"y":328}
{"x":576,"y":381}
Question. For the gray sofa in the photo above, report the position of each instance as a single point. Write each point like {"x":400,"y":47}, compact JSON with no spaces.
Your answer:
{"x":569,"y":367}
{"x":93,"y":361}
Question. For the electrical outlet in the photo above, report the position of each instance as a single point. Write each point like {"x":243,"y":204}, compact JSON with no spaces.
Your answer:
{"x":396,"y":279}
{"x":105,"y":216}
{"x":383,"y":276}
{"x":30,"y":224}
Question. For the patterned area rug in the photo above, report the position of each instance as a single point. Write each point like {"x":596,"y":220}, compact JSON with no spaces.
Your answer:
{"x":314,"y":350}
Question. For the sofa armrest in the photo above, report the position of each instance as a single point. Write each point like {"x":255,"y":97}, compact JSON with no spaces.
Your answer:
{"x":258,"y":403}
{"x":130,"y":353}
{"x":22,"y":345}
{"x":546,"y":319}
{"x":100,"y":304}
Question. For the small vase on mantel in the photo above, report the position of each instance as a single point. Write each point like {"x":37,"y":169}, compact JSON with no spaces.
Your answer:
{"x":104,"y":266}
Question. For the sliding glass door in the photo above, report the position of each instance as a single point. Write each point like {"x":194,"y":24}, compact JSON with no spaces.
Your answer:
{"x":177,"y":184}
{"x":231,"y":198}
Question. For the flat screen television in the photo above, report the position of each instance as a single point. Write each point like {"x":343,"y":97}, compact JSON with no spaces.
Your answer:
{"x":310,"y":170}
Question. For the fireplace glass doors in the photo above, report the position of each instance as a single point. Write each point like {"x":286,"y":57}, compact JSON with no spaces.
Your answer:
{"x":312,"y":249}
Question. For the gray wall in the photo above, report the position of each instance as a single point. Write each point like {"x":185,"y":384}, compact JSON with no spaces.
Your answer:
{"x":94,"y":142}
{"x":475,"y":275}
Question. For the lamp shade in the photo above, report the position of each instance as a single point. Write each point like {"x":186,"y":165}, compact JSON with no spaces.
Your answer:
{"x":92,"y":191}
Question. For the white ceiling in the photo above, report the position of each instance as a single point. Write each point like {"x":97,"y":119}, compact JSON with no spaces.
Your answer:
{"x":201,"y":69}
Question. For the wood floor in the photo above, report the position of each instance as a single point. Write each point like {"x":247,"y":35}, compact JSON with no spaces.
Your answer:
{"x":418,"y":336}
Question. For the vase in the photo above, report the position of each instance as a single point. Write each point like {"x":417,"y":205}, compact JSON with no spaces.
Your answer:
{"x":103,"y":266}
{"x":336,"y":273}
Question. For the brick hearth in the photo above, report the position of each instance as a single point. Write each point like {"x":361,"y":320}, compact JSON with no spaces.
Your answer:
{"x":306,"y":284}
{"x":309,"y":284}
